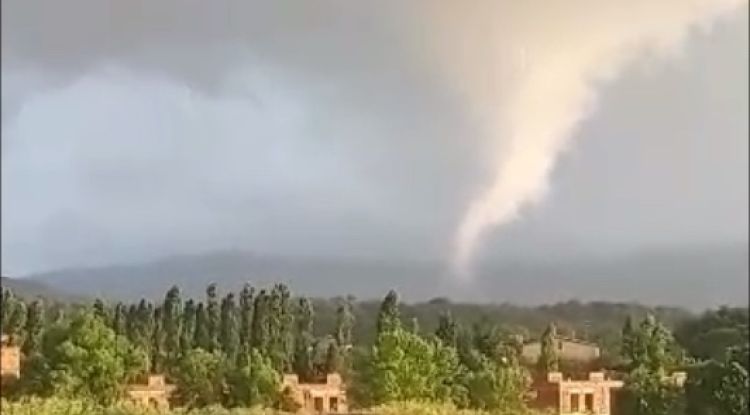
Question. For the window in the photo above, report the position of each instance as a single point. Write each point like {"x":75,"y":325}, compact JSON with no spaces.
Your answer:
{"x":153,"y":402}
{"x":589,"y":402}
{"x":574,"y":401}
{"x":333,"y":404}
{"x":318,"y":403}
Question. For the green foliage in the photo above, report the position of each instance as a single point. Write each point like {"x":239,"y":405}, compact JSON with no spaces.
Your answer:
{"x":428,"y":408}
{"x":647,"y":393}
{"x":199,"y":378}
{"x":58,"y":406}
{"x":85,"y":360}
{"x":405,"y":366}
{"x":720,"y":387}
{"x":254,"y":382}
{"x":651,"y":354}
{"x":493,"y":386}
{"x":710,"y":335}
{"x":651,"y":345}
{"x":222,"y":353}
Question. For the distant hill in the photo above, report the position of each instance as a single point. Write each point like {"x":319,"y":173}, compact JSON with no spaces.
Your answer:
{"x":695,"y":278}
{"x":29,"y":288}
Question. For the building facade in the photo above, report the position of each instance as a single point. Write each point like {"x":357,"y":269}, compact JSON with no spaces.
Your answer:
{"x":317,"y":398}
{"x":594,"y":395}
{"x":10,"y":363}
{"x":155,"y":392}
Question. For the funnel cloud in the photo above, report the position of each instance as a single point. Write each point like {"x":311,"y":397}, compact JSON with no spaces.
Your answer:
{"x":569,"y":49}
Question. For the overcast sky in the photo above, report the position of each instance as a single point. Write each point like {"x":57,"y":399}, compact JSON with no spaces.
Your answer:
{"x":132,"y":130}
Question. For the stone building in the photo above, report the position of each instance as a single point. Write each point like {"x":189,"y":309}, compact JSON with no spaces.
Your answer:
{"x":155,"y":392}
{"x":594,"y":395}
{"x":318,"y":398}
{"x":567,"y":349}
{"x":10,"y":362}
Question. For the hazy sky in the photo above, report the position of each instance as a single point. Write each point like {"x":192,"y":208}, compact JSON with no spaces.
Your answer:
{"x":136,"y":129}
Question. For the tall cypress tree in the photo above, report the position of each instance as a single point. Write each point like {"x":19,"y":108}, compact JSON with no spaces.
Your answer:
{"x":100,"y":310}
{"x":282,"y":339}
{"x":388,"y":317}
{"x":201,"y":338}
{"x":14,"y":317}
{"x":187,"y":328}
{"x":6,"y":298}
{"x":548,"y":359}
{"x":144,"y":327}
{"x":228,"y":333}
{"x":34,"y":328}
{"x":628,"y":339}
{"x":260,"y":326}
{"x":303,"y":353}
{"x":344,"y":324}
{"x":333,"y":363}
{"x":246,"y":316}
{"x":214,"y":317}
{"x":131,"y":323}
{"x":120,"y":320}
{"x":171,"y":322}
{"x":447,"y":330}
{"x":158,"y":341}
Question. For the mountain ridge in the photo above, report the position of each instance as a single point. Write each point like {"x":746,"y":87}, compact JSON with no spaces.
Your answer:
{"x":707,"y":277}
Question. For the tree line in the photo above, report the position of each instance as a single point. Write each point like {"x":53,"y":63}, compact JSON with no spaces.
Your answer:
{"x":230,"y":349}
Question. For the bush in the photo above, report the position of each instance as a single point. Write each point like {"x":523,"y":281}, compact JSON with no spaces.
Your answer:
{"x":423,"y":408}
{"x":59,"y":406}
